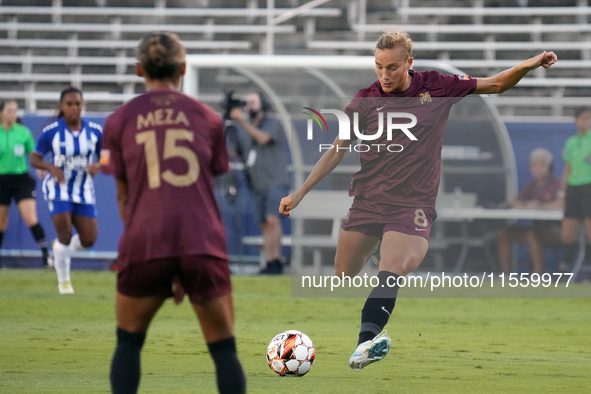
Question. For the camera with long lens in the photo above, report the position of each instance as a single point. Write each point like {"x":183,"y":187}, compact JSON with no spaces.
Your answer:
{"x":229,"y":102}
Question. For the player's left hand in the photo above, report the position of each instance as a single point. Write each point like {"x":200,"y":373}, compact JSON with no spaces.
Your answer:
{"x":93,"y":168}
{"x":177,"y":290}
{"x":547,"y":59}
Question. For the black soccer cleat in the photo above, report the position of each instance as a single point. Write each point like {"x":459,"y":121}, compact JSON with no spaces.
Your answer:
{"x":273,"y":268}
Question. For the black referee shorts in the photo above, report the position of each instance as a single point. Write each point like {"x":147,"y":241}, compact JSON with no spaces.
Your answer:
{"x":17,"y":187}
{"x":578,"y":202}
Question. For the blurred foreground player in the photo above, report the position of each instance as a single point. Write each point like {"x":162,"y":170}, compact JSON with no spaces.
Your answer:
{"x":164,"y":149}
{"x":395,"y":193}
{"x":73,"y":144}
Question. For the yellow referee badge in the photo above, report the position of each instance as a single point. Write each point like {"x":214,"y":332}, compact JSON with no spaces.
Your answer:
{"x":105,"y":157}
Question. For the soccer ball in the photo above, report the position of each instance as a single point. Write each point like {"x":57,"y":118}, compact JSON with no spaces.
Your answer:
{"x":291,"y":353}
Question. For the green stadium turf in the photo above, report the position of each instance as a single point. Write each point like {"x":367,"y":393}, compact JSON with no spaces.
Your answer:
{"x":63,"y":344}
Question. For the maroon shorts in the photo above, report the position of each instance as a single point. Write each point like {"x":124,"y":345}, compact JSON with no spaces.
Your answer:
{"x":375,"y":219}
{"x":203,"y":277}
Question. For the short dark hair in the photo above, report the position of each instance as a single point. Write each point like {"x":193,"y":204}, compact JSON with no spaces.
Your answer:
{"x":160,"y":54}
{"x":3,"y":104}
{"x":581,"y":111}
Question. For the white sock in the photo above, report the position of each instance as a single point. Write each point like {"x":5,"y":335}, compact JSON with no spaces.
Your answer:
{"x":75,"y":244}
{"x":61,"y":261}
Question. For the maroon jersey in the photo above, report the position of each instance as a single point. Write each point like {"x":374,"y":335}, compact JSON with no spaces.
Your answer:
{"x":404,"y":169}
{"x":543,"y":194}
{"x":168,"y":147}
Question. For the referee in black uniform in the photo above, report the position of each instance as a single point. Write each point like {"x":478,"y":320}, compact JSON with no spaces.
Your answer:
{"x":16,"y":142}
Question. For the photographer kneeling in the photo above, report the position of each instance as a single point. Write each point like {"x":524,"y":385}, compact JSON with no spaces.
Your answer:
{"x":266,"y":165}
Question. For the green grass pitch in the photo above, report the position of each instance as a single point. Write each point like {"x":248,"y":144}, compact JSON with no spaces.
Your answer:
{"x":63,"y":344}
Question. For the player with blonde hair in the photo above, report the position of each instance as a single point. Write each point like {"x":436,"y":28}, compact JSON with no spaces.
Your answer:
{"x":395,"y":193}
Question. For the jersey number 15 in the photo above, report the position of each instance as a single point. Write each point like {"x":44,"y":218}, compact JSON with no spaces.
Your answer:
{"x":171,"y":136}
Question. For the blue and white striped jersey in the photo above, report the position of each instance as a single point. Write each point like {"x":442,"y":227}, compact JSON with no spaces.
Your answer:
{"x":71,"y":152}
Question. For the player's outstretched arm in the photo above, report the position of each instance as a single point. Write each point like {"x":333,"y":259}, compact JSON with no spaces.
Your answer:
{"x":505,"y":80}
{"x":328,"y":162}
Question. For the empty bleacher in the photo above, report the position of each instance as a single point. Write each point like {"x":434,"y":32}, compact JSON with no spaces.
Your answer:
{"x":90,"y":43}
{"x":46,"y":45}
{"x":482,"y":38}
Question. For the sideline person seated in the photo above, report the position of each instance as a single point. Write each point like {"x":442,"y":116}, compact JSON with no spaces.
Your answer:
{"x":540,"y":193}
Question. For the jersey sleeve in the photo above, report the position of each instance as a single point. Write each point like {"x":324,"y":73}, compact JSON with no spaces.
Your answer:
{"x":109,"y":145}
{"x":273,"y":128}
{"x":219,"y":160}
{"x":29,"y":142}
{"x":457,"y":85}
{"x":44,"y":143}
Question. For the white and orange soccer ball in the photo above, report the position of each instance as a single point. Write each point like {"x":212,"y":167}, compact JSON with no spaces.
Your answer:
{"x":291,"y":353}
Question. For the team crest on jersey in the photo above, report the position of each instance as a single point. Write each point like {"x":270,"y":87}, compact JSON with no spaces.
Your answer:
{"x":425,"y":98}
{"x":465,"y":77}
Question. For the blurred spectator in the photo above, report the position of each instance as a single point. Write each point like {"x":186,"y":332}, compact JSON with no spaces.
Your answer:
{"x":576,"y":188}
{"x":542,"y":192}
{"x":16,"y":142}
{"x":266,"y":166}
